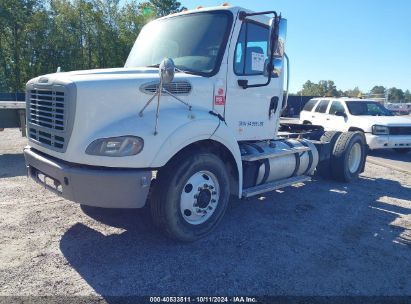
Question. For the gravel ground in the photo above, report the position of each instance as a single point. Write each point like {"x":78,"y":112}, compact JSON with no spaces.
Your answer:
{"x":324,"y":238}
{"x":391,"y":159}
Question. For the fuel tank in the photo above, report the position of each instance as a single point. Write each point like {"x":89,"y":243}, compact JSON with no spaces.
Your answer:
{"x":280,"y":159}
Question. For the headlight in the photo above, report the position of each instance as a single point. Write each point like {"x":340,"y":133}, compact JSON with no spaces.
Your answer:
{"x":380,"y":130}
{"x":116,"y":146}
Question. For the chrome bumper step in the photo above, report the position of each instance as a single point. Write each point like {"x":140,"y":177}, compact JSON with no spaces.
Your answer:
{"x":252,"y":191}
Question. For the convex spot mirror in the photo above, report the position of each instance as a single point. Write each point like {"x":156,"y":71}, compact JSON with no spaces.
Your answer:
{"x":276,"y":41}
{"x":166,"y":70}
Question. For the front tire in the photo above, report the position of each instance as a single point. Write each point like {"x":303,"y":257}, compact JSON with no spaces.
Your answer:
{"x":191,"y":196}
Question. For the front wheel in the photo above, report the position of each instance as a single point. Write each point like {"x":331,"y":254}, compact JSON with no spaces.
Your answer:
{"x":191,"y":196}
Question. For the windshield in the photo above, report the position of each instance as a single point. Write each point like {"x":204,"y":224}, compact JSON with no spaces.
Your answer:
{"x":195,"y":42}
{"x":367,"y":108}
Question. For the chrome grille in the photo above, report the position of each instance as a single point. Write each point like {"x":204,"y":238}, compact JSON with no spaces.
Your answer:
{"x":46,"y":117}
{"x":175,"y":87}
{"x":406,"y":130}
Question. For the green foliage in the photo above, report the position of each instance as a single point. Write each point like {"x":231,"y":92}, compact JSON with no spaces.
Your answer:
{"x":37,"y":36}
{"x":328,"y":89}
{"x":165,"y":7}
{"x":407,"y":96}
{"x":395,"y":95}
{"x":322,"y":88}
{"x":378,"y":90}
{"x":356,"y":92}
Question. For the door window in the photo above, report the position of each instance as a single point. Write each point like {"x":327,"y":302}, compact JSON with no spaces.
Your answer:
{"x":310,"y":105}
{"x":336,"y":106}
{"x":251,"y":49}
{"x":322,"y":106}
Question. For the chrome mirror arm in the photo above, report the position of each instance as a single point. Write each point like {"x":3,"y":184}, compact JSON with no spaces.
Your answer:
{"x":166,"y":73}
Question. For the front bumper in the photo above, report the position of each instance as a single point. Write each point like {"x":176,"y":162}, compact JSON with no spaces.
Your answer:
{"x":388,"y":141}
{"x":90,"y":185}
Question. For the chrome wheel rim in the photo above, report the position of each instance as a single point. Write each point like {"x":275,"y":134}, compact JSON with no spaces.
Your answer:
{"x":354,"y":158}
{"x":199,"y":197}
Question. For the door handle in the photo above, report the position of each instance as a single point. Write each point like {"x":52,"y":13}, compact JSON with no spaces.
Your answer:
{"x":243,"y":83}
{"x":327,"y":119}
{"x":273,"y":106}
{"x":313,"y":116}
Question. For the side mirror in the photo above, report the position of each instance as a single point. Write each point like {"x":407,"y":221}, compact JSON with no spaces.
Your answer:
{"x":276,"y":45}
{"x":340,"y":113}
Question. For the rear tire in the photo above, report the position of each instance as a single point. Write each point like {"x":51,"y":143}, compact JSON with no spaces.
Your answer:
{"x":402,"y":151}
{"x":324,"y":167}
{"x":191,"y":196}
{"x":349,"y":155}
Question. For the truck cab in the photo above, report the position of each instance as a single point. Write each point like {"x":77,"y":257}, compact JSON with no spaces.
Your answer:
{"x":191,"y":119}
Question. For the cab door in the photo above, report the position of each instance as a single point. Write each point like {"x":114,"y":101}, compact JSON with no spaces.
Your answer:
{"x":252,"y":113}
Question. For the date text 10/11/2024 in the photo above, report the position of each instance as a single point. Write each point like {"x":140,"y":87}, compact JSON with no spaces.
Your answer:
{"x":239,"y":299}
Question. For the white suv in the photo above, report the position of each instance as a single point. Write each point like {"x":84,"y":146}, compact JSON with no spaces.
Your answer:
{"x":382,"y":129}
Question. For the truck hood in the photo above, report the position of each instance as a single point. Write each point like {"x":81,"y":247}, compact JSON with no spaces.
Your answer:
{"x":99,"y":74}
{"x":106,"y":103}
{"x":121,"y":86}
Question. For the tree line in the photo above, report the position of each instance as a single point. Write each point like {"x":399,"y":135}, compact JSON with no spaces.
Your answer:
{"x":38,"y":36}
{"x":329,"y":89}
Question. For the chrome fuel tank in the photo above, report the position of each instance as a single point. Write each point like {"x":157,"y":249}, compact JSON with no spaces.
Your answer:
{"x":280,"y":162}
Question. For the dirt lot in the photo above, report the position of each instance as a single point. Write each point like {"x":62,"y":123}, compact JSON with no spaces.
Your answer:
{"x":325,"y":238}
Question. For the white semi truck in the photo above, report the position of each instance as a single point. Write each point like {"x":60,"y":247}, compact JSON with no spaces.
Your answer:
{"x":192,"y":118}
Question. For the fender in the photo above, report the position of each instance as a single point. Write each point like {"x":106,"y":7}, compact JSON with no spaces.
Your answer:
{"x":197,"y":130}
{"x":225,"y":136}
{"x":177,"y":128}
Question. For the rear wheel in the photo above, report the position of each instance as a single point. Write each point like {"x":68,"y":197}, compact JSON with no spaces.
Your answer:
{"x":324,"y":167}
{"x":191,"y":196}
{"x":402,"y":150}
{"x":348,"y":158}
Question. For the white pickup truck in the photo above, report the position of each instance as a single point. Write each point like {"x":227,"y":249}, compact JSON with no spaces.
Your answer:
{"x":191,"y":119}
{"x":382,"y":129}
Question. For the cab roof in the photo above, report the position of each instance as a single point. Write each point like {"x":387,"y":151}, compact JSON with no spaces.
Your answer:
{"x":233,"y":9}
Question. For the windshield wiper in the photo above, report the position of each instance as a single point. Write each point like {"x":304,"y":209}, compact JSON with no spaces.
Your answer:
{"x":180,"y":68}
{"x":183,"y":69}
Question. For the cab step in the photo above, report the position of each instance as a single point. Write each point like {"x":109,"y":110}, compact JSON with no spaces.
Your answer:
{"x":272,"y":154}
{"x":252,"y":191}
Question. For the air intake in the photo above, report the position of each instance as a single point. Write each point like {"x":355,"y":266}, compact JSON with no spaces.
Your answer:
{"x":175,"y":87}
